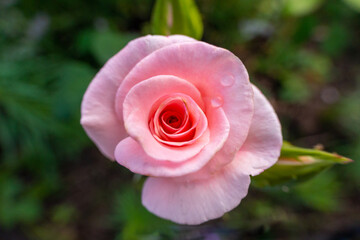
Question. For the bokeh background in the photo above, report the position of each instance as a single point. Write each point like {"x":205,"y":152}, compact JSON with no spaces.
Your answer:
{"x":54,"y":183}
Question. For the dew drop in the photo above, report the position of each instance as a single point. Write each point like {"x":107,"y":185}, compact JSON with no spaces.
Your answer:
{"x":216,"y":102}
{"x":227,"y":81}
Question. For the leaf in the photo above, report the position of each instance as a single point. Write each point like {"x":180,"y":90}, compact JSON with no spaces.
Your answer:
{"x":315,"y":155}
{"x":300,"y":8}
{"x":74,"y":78}
{"x":15,"y":205}
{"x":354,"y":4}
{"x":176,"y":17}
{"x":337,"y":40}
{"x":136,"y":221}
{"x":297,"y":164}
{"x":105,"y":44}
{"x":321,"y":192}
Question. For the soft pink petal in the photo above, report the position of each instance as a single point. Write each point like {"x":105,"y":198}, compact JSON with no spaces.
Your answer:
{"x":218,"y":74}
{"x":98,"y":114}
{"x":263,"y":144}
{"x":195,"y":202}
{"x":209,"y":193}
{"x":137,"y":107}
{"x":131,"y":155}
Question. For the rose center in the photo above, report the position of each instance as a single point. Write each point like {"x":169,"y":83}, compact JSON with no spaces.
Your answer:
{"x":174,"y":120}
{"x":171,"y":120}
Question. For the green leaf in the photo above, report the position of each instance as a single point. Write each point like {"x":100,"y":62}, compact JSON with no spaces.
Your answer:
{"x":105,"y":44}
{"x":354,"y":4}
{"x":337,"y":40}
{"x":176,"y":17}
{"x":136,"y":221}
{"x":321,"y":192}
{"x":304,"y":155}
{"x":300,"y":8}
{"x":297,"y":164}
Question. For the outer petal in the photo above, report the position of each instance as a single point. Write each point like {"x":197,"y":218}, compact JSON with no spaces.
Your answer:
{"x":198,"y":197}
{"x":98,"y":113}
{"x":130,"y":154}
{"x":262,"y":147}
{"x":218,"y":74}
{"x":198,"y":201}
{"x":137,"y":108}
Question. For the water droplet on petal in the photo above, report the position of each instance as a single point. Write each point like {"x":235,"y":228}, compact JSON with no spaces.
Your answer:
{"x":216,"y":102}
{"x":227,"y":81}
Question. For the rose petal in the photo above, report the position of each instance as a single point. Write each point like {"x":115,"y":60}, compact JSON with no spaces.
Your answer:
{"x":98,"y":115}
{"x":137,"y":108}
{"x":218,"y":74}
{"x":263,"y":144}
{"x":131,"y":155}
{"x":171,"y":120}
{"x":182,"y":125}
{"x":195,"y":202}
{"x":188,"y":136}
{"x":262,"y":147}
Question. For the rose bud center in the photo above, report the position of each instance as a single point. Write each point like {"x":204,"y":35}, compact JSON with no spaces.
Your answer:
{"x":174,"y":120}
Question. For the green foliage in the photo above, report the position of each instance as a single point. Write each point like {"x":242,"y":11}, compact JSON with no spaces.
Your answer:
{"x":105,"y":44}
{"x":15,"y":207}
{"x":50,"y":51}
{"x":295,"y":89}
{"x":39,"y":112}
{"x":296,"y":164}
{"x":336,"y":40}
{"x":64,"y":214}
{"x":177,"y":17}
{"x":299,"y":8}
{"x":136,"y":221}
{"x":289,"y":151}
{"x":354,"y":4}
{"x":59,"y":227}
{"x":320,"y":193}
{"x":347,"y":114}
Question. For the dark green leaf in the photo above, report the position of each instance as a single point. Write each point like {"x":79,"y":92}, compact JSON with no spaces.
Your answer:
{"x":321,"y":192}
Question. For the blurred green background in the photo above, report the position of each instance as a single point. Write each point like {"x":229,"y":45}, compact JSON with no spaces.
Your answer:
{"x":54,"y":183}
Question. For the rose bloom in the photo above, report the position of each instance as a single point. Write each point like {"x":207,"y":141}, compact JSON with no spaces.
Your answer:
{"x":184,"y":113}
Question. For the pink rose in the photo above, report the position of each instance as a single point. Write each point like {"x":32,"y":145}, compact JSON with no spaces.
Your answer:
{"x":184,"y":113}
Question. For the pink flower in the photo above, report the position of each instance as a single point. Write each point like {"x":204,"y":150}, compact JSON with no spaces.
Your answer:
{"x":184,"y":113}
